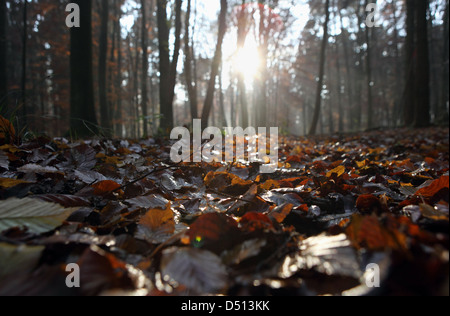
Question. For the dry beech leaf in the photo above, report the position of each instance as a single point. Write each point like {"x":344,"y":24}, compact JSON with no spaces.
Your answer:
{"x":330,"y":255}
{"x":156,"y":225}
{"x":368,"y":232}
{"x":38,"y":216}
{"x":200,"y":271}
{"x":214,"y":231}
{"x":227,"y":183}
{"x":7,"y":183}
{"x":434,"y":187}
{"x":339,"y":171}
{"x":104,"y":187}
{"x":280,"y":213}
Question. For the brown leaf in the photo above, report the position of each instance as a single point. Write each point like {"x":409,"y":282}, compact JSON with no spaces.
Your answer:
{"x":156,"y":225}
{"x":369,"y":232}
{"x":280,"y":213}
{"x":7,"y":183}
{"x":104,"y":187}
{"x":214,"y":231}
{"x":227,"y":183}
{"x":7,"y":131}
{"x":434,"y":188}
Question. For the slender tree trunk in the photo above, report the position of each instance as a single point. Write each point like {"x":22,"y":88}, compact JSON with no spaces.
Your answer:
{"x":191,"y":87}
{"x":3,"y":62}
{"x":242,"y":32}
{"x":408,"y":96}
{"x":370,"y":111}
{"x":349,"y":84}
{"x":323,"y":49}
{"x":444,"y":95}
{"x":144,"y":79}
{"x":83,"y":121}
{"x":339,"y":91}
{"x":119,"y":77}
{"x":398,"y":72}
{"x":422,"y":78}
{"x":167,"y":68}
{"x":102,"y":69}
{"x":24,"y":63}
{"x":209,"y":100}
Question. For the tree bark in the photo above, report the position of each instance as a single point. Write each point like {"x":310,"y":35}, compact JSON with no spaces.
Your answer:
{"x":102,"y":69}
{"x":422,"y":78}
{"x":167,"y":67}
{"x":215,"y":64}
{"x":444,"y":95}
{"x":3,"y":62}
{"x":83,"y":121}
{"x":370,"y":112}
{"x":408,"y":95}
{"x":119,"y":118}
{"x":323,"y":49}
{"x":24,"y":62}
{"x":144,"y":80}
{"x":188,"y":52}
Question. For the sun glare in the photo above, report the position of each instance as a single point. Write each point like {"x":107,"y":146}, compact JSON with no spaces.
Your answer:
{"x":247,"y":61}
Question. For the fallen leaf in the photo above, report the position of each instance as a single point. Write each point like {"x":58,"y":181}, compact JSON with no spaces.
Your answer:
{"x":329,"y":255}
{"x":214,"y":231}
{"x":7,"y":131}
{"x":227,"y":183}
{"x":21,"y":258}
{"x":280,"y":213}
{"x":4,"y":160}
{"x":200,"y":271}
{"x":434,"y":188}
{"x":38,"y":216}
{"x":339,"y":171}
{"x":368,"y":232}
{"x":7,"y":183}
{"x":104,"y":187}
{"x":156,"y":225}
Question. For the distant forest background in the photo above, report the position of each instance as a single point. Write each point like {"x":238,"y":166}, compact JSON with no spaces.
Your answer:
{"x":156,"y":64}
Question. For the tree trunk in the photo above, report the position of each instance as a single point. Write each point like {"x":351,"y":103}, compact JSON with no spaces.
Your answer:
{"x":83,"y":121}
{"x":102,"y":69}
{"x":3,"y":63}
{"x":119,"y":118}
{"x":422,"y":77}
{"x":24,"y":63}
{"x":167,"y":68}
{"x":242,"y":32}
{"x":144,"y":79}
{"x":191,"y":87}
{"x":323,"y":49}
{"x":408,"y":96}
{"x":370,"y":112}
{"x":444,"y":95}
{"x":215,"y":64}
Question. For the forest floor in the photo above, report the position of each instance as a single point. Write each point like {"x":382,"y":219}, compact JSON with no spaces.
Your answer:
{"x":137,"y":224}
